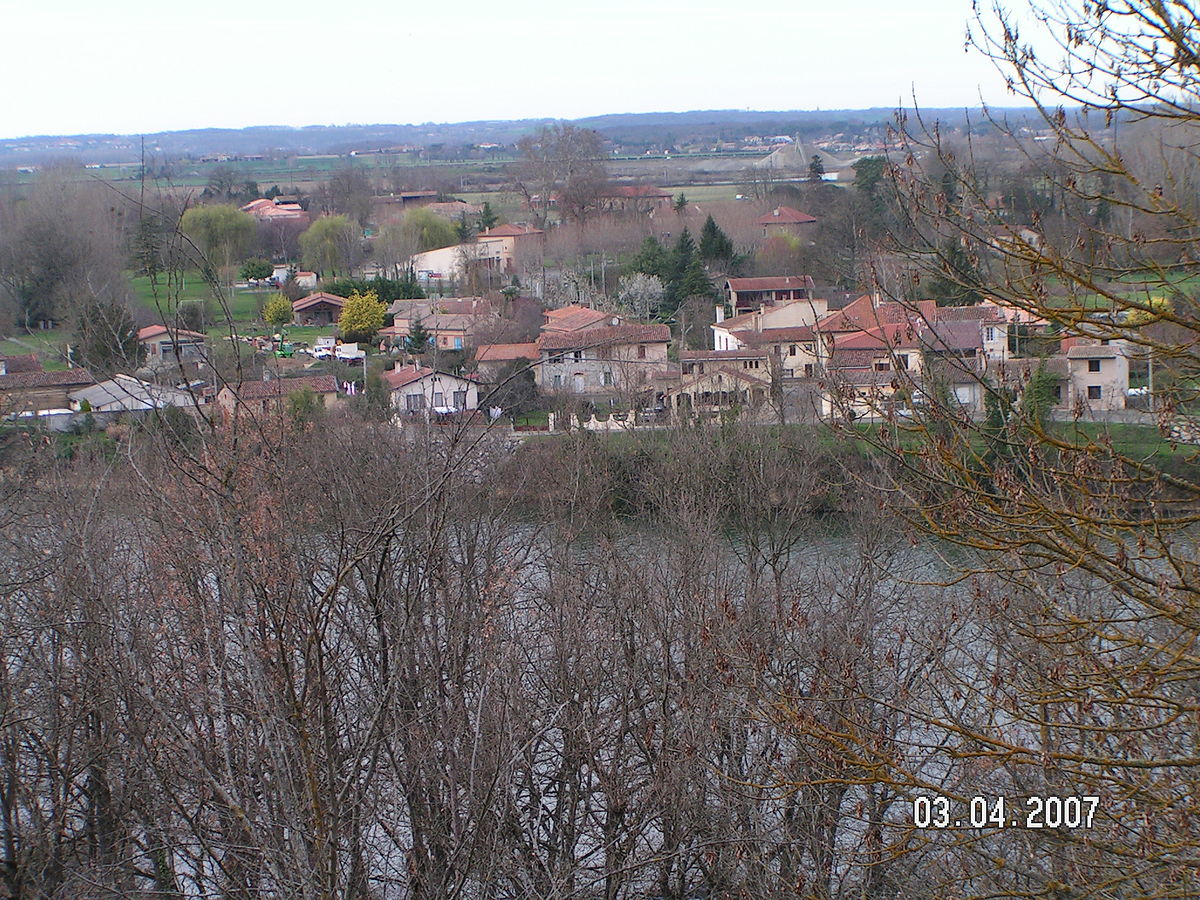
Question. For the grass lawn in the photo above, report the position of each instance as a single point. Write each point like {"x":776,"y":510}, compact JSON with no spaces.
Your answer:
{"x":244,"y":303}
{"x":703,"y":193}
{"x":50,"y":347}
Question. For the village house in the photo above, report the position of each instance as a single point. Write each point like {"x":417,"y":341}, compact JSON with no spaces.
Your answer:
{"x":304,"y":280}
{"x":743,"y":295}
{"x":25,"y":387}
{"x":274,"y":211}
{"x":698,"y":362}
{"x":318,"y":309}
{"x":421,"y":391}
{"x":601,"y":362}
{"x":785,"y":220}
{"x":634,"y":200}
{"x":267,"y":397}
{"x":576,"y":318}
{"x":799,"y":351}
{"x":731,"y":334}
{"x":451,"y":322}
{"x":500,"y":250}
{"x":1097,"y":375}
{"x":124,"y":394}
{"x":718,"y":389}
{"x":163,"y":346}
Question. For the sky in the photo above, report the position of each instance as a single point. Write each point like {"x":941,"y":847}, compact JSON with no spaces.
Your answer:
{"x":134,"y":66}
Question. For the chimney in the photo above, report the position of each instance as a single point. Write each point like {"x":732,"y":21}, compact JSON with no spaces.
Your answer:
{"x":3,"y":366}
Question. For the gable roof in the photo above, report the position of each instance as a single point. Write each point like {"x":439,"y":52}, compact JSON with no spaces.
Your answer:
{"x":132,"y":393}
{"x":786,"y":215}
{"x":153,"y":331}
{"x":505,"y":352}
{"x":952,"y":336}
{"x":604,"y":337}
{"x":573,"y":318}
{"x":750,"y":379}
{"x":772,"y":283}
{"x":31,"y":380}
{"x":318,"y":298}
{"x":277,"y":387}
{"x":403,"y":375}
{"x":864,"y":314}
{"x":419,"y":309}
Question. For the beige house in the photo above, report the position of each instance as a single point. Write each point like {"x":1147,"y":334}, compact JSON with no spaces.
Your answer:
{"x":603,"y":362}
{"x":500,"y":250}
{"x":163,"y":346}
{"x":265,"y":398}
{"x":1098,"y":375}
{"x":729,"y":334}
{"x":744,"y":295}
{"x":420,"y":391}
{"x":718,"y":389}
{"x":451,"y":322}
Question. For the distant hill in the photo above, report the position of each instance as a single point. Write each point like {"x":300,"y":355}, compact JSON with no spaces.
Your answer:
{"x":633,"y":131}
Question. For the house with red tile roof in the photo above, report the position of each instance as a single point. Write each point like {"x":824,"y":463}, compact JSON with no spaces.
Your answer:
{"x":265,"y":398}
{"x":743,"y":295}
{"x":576,"y":318}
{"x":452,"y":322}
{"x":602,"y":362}
{"x":421,"y":391}
{"x":165,"y":346}
{"x":785,"y":220}
{"x":729,"y":334}
{"x":718,"y":389}
{"x":321,"y":308}
{"x":34,"y":389}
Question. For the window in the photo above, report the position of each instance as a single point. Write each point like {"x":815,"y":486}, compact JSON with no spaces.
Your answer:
{"x":460,"y":399}
{"x":808,"y":370}
{"x":792,"y":350}
{"x":558,"y":381}
{"x":989,"y":334}
{"x":902,"y":359}
{"x":1094,"y":392}
{"x":439,"y":399}
{"x":1058,"y":393}
{"x":1093,"y":365}
{"x":641,"y":351}
{"x":608,"y":379}
{"x":414,"y":402}
{"x":883,"y":366}
{"x":458,"y":343}
{"x":577,"y":355}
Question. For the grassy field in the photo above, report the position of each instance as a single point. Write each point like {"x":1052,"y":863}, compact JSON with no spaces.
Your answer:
{"x":50,"y":347}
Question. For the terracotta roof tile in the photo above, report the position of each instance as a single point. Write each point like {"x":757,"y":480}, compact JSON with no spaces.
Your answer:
{"x":276,"y":387}
{"x":604,"y":336}
{"x":786,"y":215}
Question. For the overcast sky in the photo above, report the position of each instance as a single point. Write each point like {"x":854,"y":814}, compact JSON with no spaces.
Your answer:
{"x":136,"y":66}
